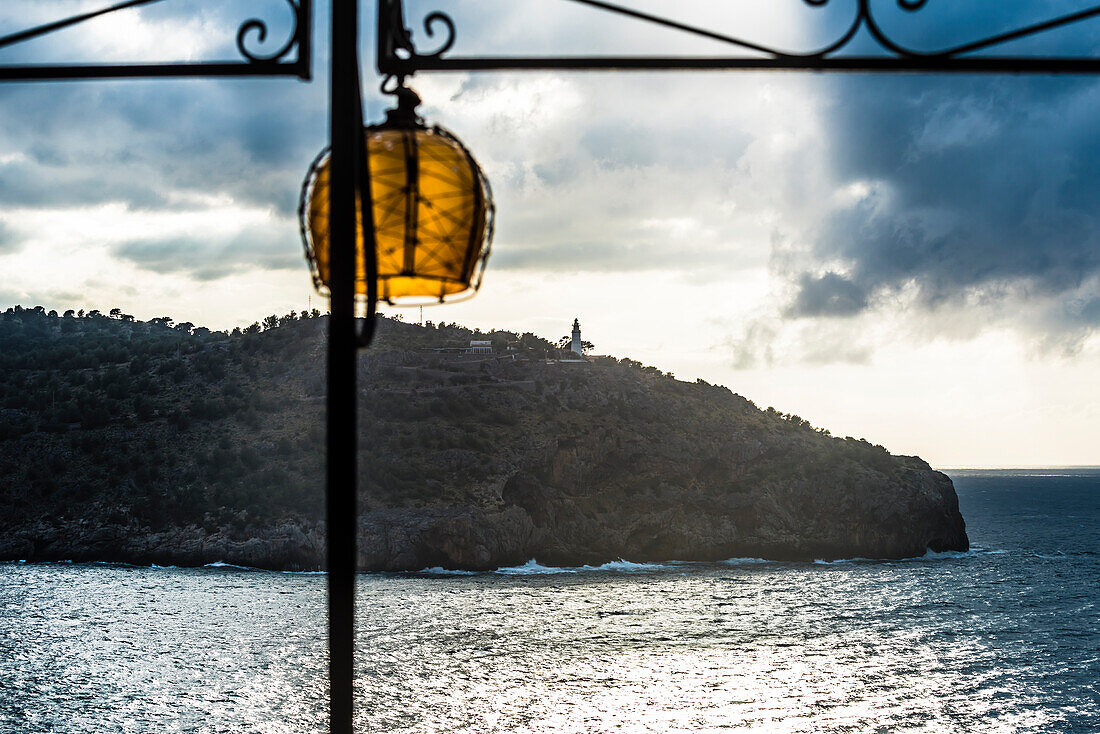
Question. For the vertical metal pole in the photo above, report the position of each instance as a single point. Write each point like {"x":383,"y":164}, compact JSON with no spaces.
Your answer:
{"x":340,"y":495}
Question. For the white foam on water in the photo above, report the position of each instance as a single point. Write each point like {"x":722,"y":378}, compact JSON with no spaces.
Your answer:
{"x":533,"y":567}
{"x":161,"y":568}
{"x":974,"y":551}
{"x":223,"y":564}
{"x":1057,"y":556}
{"x":977,"y":550}
{"x":625,"y":566}
{"x":929,"y":555}
{"x":745,"y":561}
{"x":846,"y":561}
{"x":440,"y":571}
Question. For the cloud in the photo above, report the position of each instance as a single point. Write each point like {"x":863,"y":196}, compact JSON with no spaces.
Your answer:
{"x":10,"y":239}
{"x":961,"y":201}
{"x":585,"y":182}
{"x":142,"y":142}
{"x":767,"y":340}
{"x":959,"y":204}
{"x":212,"y":258}
{"x":197,"y":178}
{"x":160,"y":32}
{"x":982,"y":183}
{"x":828,"y":295}
{"x":755,"y":344}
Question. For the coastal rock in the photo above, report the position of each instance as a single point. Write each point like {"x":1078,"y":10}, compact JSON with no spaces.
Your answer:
{"x":197,"y":448}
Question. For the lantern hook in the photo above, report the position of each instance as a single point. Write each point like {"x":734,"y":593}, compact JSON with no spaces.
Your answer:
{"x":404,"y":114}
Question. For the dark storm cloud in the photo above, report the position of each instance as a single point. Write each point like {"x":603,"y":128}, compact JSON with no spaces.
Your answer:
{"x":1089,"y":312}
{"x":976,"y":186}
{"x":973,"y":184}
{"x":828,"y":295}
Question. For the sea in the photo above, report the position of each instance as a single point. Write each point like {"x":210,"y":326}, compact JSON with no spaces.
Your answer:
{"x":1002,"y":638}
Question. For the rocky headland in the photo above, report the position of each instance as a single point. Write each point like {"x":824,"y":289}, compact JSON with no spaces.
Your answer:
{"x":148,"y":442}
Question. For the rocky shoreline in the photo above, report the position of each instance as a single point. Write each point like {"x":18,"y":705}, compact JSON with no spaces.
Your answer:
{"x":540,"y":523}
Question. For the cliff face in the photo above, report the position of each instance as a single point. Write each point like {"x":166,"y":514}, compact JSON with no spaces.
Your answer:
{"x":829,"y":517}
{"x":697,"y":475}
{"x":200,"y":448}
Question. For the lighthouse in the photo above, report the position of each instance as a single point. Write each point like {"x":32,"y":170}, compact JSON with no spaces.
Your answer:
{"x":575,"y":346}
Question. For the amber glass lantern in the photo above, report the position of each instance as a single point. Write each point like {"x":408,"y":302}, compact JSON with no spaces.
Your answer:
{"x":433,"y":213}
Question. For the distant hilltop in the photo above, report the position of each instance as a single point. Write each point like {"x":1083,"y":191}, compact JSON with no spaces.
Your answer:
{"x":158,"y":442}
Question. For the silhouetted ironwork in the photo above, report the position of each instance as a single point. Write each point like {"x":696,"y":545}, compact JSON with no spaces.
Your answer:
{"x":349,"y":178}
{"x":280,"y":62}
{"x":398,"y":55}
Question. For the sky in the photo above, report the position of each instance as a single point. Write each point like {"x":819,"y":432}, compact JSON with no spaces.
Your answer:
{"x":911,"y":259}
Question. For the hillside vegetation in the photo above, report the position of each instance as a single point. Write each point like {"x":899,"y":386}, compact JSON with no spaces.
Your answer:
{"x":161,"y":442}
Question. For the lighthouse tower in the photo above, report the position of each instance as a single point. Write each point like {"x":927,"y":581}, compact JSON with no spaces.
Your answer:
{"x":576,"y":345}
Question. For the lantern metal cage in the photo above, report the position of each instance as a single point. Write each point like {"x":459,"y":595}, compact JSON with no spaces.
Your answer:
{"x":433,"y":214}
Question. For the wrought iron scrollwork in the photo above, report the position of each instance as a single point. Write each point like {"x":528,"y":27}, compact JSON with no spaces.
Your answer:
{"x":281,"y":61}
{"x":260,"y":27}
{"x":397,"y":55}
{"x":864,"y":18}
{"x":867,"y":18}
{"x":450,"y":26}
{"x":395,"y":38}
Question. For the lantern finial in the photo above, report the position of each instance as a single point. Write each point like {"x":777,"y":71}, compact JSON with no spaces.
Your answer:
{"x":404,"y":114}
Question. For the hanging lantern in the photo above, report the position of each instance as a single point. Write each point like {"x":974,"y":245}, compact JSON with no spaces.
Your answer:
{"x":433,"y":212}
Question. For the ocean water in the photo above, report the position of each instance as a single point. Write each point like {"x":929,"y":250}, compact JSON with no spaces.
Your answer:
{"x":1004,"y":638}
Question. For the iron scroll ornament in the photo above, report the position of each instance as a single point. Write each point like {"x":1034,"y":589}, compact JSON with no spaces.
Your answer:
{"x":395,"y":39}
{"x":300,"y":9}
{"x":398,"y":55}
{"x":280,"y":62}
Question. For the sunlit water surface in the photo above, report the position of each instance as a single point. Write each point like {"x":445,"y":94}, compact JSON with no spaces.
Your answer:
{"x":1002,"y":639}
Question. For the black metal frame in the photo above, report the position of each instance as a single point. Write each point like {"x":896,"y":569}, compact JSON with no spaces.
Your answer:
{"x":398,"y":55}
{"x":280,"y":62}
{"x":350,"y":179}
